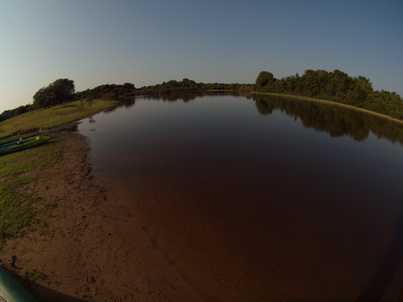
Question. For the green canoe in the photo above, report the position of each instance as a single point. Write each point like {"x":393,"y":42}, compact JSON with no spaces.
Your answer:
{"x":23,"y":143}
{"x":11,"y":290}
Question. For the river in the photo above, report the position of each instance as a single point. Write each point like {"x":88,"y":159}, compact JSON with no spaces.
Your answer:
{"x":259,"y":198}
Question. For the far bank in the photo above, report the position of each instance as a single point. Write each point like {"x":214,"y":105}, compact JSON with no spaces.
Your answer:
{"x":328,"y":102}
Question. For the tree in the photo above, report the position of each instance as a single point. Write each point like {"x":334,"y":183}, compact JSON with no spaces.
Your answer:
{"x":360,"y":91}
{"x":263,"y":79}
{"x":58,"y":92}
{"x":129,"y":86}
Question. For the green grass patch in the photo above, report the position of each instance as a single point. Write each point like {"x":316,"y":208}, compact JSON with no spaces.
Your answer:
{"x":28,"y":160}
{"x":18,"y":213}
{"x":15,"y":212}
{"x":52,"y":117}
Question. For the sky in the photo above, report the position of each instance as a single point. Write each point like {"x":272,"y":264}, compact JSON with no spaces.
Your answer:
{"x":95,"y":42}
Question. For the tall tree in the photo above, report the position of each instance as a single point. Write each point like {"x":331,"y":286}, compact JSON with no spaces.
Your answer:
{"x":263,"y":79}
{"x":58,"y":92}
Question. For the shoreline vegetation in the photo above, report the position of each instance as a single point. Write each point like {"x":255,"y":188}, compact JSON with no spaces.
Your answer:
{"x":43,"y":119}
{"x":332,"y":103}
{"x":336,"y":87}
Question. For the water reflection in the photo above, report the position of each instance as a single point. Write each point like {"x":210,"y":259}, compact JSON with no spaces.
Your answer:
{"x":170,"y":97}
{"x":186,"y":96}
{"x":123,"y":103}
{"x":336,"y":121}
{"x":127,"y":103}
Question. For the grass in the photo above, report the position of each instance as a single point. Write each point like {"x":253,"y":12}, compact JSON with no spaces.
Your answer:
{"x":52,"y":117}
{"x":304,"y":98}
{"x":21,"y":212}
{"x":18,"y":211}
{"x":19,"y":163}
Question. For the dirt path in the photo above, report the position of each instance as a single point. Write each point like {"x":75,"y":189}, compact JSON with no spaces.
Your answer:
{"x":92,"y":249}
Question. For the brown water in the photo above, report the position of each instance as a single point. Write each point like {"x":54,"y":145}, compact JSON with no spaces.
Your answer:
{"x":261,"y":199}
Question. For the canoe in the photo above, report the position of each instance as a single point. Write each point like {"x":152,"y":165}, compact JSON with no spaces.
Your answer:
{"x":23,"y":143}
{"x":11,"y":290}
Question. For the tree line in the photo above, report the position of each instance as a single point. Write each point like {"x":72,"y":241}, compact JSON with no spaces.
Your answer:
{"x":63,"y":90}
{"x":56,"y":93}
{"x":336,"y":86}
{"x":17,"y":111}
{"x":128,"y":90}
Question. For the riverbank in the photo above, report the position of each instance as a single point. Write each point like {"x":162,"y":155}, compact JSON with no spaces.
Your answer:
{"x":49,"y":118}
{"x":304,"y":98}
{"x":82,"y":251}
{"x":63,"y":235}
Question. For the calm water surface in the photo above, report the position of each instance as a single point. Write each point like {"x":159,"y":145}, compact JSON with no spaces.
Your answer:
{"x":261,"y":199}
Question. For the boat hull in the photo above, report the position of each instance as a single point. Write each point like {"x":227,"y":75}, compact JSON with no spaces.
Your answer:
{"x":11,"y":290}
{"x":23,"y":143}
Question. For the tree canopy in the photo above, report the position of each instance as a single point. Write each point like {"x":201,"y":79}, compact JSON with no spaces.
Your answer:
{"x":336,"y":86}
{"x":14,"y":112}
{"x":128,"y":90}
{"x":109,"y":92}
{"x":264,"y":78}
{"x":58,"y":92}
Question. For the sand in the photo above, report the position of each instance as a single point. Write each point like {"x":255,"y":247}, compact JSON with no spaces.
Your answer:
{"x":92,"y":248}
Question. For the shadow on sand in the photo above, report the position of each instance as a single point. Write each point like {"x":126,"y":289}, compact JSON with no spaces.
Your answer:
{"x":45,"y":294}
{"x":39,"y":292}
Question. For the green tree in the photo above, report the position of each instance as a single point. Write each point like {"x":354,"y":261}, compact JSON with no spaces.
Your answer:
{"x":58,"y":92}
{"x":263,"y":79}
{"x":129,"y":86}
{"x":359,"y":91}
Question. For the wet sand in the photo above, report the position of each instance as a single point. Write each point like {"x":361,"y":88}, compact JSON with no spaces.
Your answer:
{"x":92,"y":249}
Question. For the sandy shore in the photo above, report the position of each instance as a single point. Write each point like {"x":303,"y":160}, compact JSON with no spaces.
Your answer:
{"x":92,"y":248}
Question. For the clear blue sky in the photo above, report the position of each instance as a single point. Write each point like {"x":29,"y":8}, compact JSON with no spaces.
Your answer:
{"x":96,"y":42}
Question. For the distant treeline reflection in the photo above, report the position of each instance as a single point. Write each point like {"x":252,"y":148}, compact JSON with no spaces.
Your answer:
{"x":336,"y":121}
{"x":186,"y":96}
{"x":169,"y":97}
